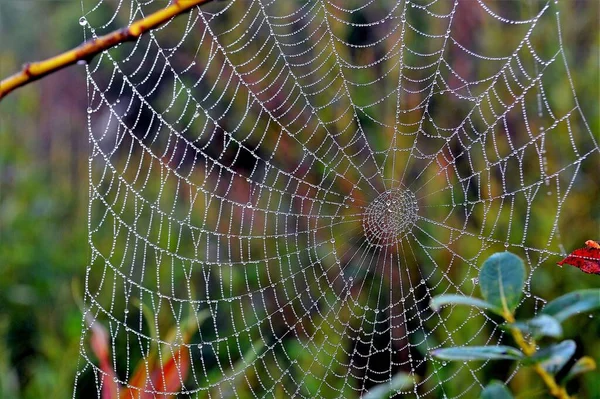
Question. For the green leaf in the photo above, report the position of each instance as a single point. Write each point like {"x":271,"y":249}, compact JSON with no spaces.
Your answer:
{"x":467,"y":353}
{"x":188,"y":327}
{"x":248,"y":359}
{"x":496,"y":390}
{"x":582,"y":366}
{"x":452,"y":299}
{"x":540,"y":326}
{"x":239,"y":374}
{"x":400,"y":381}
{"x":423,"y":341}
{"x":501,"y":279}
{"x":554,"y":358}
{"x":572,"y":304}
{"x":148,"y":316}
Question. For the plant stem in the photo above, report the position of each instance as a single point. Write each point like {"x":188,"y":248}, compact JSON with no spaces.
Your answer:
{"x":529,"y":348}
{"x":86,"y":51}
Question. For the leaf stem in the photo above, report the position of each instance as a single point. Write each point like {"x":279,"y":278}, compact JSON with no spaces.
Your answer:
{"x":87,"y":50}
{"x":529,"y":349}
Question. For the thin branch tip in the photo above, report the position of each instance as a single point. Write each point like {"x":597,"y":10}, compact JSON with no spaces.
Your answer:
{"x":85,"y":52}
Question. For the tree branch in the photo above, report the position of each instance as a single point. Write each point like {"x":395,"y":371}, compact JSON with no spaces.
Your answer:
{"x":87,"y":50}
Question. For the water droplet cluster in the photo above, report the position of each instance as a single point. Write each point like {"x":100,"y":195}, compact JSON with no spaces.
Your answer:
{"x":391,"y":215}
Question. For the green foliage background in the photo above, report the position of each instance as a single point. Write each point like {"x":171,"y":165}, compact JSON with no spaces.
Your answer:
{"x":43,"y":200}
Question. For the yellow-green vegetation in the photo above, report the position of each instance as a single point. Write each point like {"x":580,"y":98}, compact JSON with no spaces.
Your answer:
{"x":502,"y":280}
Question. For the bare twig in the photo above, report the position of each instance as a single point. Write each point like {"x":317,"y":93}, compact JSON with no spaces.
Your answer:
{"x":87,"y":50}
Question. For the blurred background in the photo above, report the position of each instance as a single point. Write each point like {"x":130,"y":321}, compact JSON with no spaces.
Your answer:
{"x":44,"y":198}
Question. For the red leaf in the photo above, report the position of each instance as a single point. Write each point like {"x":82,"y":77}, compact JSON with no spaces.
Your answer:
{"x":140,"y":385}
{"x":165,"y":378}
{"x":100,"y":347}
{"x":169,"y":376}
{"x":586,"y":259}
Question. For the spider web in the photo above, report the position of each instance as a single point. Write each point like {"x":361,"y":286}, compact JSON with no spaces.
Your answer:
{"x":295,"y":181}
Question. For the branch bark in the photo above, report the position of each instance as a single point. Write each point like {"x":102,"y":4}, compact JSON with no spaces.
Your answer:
{"x":89,"y":49}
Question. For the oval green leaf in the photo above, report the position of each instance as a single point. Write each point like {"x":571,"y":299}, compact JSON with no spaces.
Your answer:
{"x":400,"y":381}
{"x":501,"y":280}
{"x":540,"y":326}
{"x":554,"y":358}
{"x":467,"y":353}
{"x":582,"y":366}
{"x":453,"y":299}
{"x":496,"y":390}
{"x":572,"y":304}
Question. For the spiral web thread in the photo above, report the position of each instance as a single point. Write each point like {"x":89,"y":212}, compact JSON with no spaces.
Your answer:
{"x":295,"y":181}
